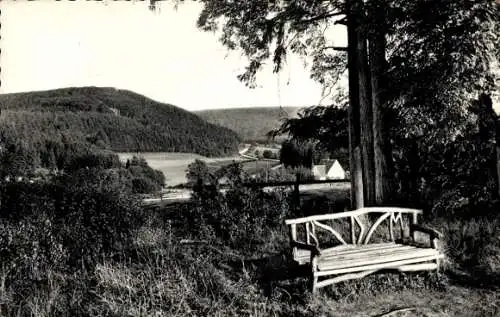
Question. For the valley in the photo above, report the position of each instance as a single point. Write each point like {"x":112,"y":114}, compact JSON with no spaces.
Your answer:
{"x":174,"y":164}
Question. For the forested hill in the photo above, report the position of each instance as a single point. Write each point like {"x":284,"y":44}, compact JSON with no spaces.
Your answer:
{"x":252,"y":124}
{"x":119,"y":120}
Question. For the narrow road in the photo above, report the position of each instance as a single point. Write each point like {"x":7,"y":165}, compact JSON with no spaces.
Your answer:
{"x":185,"y":194}
{"x":245,"y":150}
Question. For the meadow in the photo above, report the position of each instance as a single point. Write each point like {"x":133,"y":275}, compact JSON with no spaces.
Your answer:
{"x":174,"y":164}
{"x":254,"y":167}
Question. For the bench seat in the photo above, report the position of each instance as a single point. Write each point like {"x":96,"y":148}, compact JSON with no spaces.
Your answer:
{"x":351,"y":258}
{"x":360,"y":258}
{"x":363,"y":258}
{"x":304,"y":256}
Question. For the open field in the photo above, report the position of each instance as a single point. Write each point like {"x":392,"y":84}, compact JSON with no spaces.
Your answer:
{"x":174,"y":165}
{"x":216,"y":165}
{"x":252,"y":167}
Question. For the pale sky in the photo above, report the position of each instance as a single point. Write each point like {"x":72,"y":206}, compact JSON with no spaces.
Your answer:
{"x":47,"y":44}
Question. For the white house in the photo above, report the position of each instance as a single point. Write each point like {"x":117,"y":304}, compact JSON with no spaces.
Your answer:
{"x":330,"y":170}
{"x":336,"y":171}
{"x":319,"y":172}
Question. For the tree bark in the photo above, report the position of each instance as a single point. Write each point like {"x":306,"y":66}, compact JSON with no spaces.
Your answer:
{"x":365,"y":115}
{"x":357,"y":196}
{"x":498,"y":169}
{"x":383,"y":165}
{"x":355,"y":165}
{"x":414,"y":165}
{"x":488,"y":136}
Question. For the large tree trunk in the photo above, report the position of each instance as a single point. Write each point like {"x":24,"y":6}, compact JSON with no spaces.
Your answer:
{"x":498,"y":169}
{"x":383,"y":165}
{"x":357,"y":200}
{"x":488,"y":136}
{"x":357,"y":196}
{"x":414,"y":166}
{"x":366,"y":119}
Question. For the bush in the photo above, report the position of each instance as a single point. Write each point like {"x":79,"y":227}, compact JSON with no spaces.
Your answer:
{"x":144,"y":179}
{"x":53,"y":232}
{"x":93,"y":160}
{"x":243,"y":217}
{"x":452,"y":178}
{"x":64,"y":224}
{"x":142,"y":185}
{"x":472,"y":245}
{"x":465,"y":201}
{"x":197,"y":172}
{"x":268,"y":154}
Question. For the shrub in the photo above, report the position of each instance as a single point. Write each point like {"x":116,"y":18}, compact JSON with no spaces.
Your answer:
{"x":465,"y":200}
{"x":197,"y":172}
{"x":144,"y":179}
{"x":30,"y":246}
{"x":72,"y":222}
{"x":142,"y":185}
{"x":456,"y":177}
{"x":93,"y":160}
{"x":472,"y":244}
{"x":268,"y":154}
{"x":243,"y":217}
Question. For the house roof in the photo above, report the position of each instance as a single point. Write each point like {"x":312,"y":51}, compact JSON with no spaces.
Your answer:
{"x":319,"y":170}
{"x":325,"y":170}
{"x":329,"y":163}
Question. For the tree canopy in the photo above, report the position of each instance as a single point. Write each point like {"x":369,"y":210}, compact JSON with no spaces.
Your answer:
{"x":415,"y":69}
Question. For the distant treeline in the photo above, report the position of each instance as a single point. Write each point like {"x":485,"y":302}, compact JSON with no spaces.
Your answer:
{"x":109,"y":119}
{"x":251,"y":124}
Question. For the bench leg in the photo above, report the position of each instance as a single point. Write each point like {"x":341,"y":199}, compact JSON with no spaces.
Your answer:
{"x":314,"y":261}
{"x":438,"y":269}
{"x":314,"y":284}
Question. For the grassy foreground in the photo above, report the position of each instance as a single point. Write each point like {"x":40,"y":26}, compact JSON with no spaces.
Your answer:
{"x":164,"y":273}
{"x":219,"y":256}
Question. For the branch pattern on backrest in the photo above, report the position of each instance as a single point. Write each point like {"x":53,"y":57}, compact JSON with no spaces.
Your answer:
{"x":331,"y":230}
{"x":393,"y":215}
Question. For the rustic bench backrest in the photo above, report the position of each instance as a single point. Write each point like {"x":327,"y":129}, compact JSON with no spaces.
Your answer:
{"x":392,"y":215}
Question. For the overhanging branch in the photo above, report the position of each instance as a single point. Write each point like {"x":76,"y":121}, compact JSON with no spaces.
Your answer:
{"x":321,"y":17}
{"x":342,"y":21}
{"x":336,"y":48}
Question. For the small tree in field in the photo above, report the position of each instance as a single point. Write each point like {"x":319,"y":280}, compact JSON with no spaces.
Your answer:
{"x":295,"y":154}
{"x":197,"y":172}
{"x":268,"y":154}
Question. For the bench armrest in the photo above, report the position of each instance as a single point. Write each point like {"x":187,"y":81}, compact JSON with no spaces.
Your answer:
{"x":433,"y":234}
{"x":314,"y":249}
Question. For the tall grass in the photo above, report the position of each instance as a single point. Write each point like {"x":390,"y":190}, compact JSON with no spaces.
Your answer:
{"x":472,"y":246}
{"x":193,"y":261}
{"x":157,"y":275}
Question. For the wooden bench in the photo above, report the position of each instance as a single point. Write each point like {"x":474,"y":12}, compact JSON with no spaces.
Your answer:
{"x":341,"y":261}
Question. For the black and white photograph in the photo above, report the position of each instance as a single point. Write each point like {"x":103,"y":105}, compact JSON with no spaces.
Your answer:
{"x":250,"y":158}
